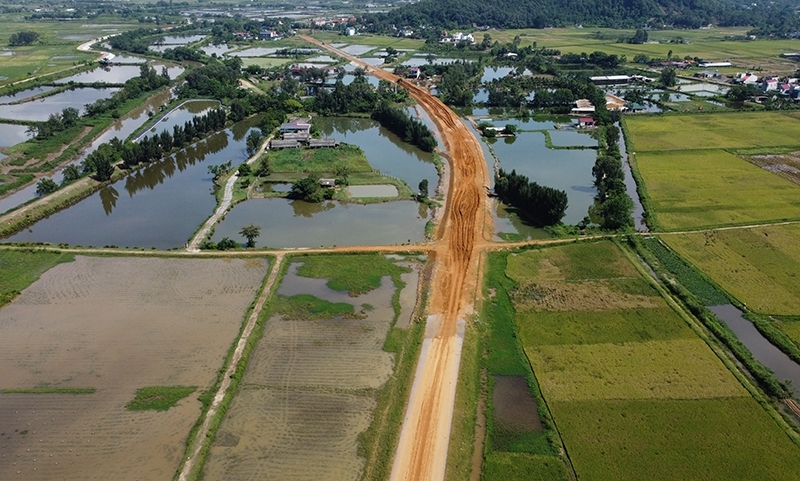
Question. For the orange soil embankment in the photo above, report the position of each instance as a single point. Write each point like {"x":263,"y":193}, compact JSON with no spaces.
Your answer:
{"x":422,"y":450}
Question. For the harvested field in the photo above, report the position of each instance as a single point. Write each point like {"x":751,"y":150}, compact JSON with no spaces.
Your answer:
{"x":758,"y":266}
{"x":311,"y":382}
{"x":588,"y":295}
{"x":708,"y":439}
{"x":691,"y":189}
{"x":785,"y":165}
{"x":679,"y":132}
{"x":114,"y":324}
{"x":678,"y":369}
{"x":575,"y":262}
{"x":599,"y":327}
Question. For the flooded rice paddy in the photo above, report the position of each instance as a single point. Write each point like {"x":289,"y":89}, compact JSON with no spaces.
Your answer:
{"x":114,"y":324}
{"x":308,"y":391}
{"x":159,"y":205}
{"x":40,"y":110}
{"x":295,"y":223}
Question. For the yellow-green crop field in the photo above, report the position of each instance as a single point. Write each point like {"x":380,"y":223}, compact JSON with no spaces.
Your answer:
{"x":708,"y":44}
{"x":666,"y":440}
{"x":707,"y":188}
{"x":713,"y":131}
{"x":634,"y":393}
{"x":758,"y":266}
{"x":791,"y":329}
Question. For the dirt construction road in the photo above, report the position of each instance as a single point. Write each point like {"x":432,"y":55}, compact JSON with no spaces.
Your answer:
{"x":422,"y":450}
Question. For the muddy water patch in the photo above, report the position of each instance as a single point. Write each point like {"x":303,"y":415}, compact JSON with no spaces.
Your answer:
{"x":408,"y":295}
{"x":514,"y":406}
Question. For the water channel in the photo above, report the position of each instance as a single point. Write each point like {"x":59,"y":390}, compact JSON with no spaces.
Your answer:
{"x":763,"y":350}
{"x":159,"y":205}
{"x":630,"y":187}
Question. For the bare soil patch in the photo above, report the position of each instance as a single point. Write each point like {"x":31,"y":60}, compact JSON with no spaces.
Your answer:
{"x":114,"y":324}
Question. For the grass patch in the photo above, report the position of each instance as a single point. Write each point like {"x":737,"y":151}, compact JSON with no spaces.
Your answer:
{"x":322,"y":160}
{"x":20,"y":268}
{"x":692,"y":189}
{"x":758,"y":266}
{"x":574,"y":262}
{"x":709,"y":439}
{"x":50,"y":390}
{"x":601,"y":327}
{"x":307,"y":306}
{"x":356,"y":274}
{"x":676,"y":369}
{"x":158,"y":398}
{"x":505,"y":466}
{"x":681,"y":132}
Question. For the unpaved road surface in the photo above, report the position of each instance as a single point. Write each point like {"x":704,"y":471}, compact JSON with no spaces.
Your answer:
{"x":422,"y":450}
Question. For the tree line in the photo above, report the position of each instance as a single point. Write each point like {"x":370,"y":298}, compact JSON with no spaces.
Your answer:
{"x":411,"y":130}
{"x":772,"y":17}
{"x":542,"y":205}
{"x":614,"y":204}
{"x":101,"y":162}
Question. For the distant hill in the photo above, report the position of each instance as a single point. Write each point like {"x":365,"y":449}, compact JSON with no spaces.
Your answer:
{"x":598,"y":13}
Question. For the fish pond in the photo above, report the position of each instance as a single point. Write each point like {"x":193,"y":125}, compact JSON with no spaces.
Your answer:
{"x":295,"y":223}
{"x":40,"y":110}
{"x":159,"y":205}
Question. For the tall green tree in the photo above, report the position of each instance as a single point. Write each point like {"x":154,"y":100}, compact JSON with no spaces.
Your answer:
{"x":250,"y":232}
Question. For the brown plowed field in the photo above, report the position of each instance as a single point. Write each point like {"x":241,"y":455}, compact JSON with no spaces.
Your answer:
{"x":422,"y":452}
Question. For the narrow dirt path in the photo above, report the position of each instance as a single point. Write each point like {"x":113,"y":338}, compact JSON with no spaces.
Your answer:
{"x":200,"y":439}
{"x":222,"y":208}
{"x":424,"y":438}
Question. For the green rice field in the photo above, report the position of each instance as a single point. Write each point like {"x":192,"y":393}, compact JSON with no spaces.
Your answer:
{"x":791,"y":329}
{"x":633,"y":392}
{"x":758,"y":266}
{"x":706,"y":188}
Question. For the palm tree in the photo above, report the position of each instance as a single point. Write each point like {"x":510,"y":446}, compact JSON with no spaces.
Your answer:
{"x":250,"y":232}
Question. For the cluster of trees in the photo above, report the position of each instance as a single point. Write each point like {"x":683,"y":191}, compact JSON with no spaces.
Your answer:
{"x":614,"y":204}
{"x":309,"y":190}
{"x":101,"y":162}
{"x":47,"y":185}
{"x":217,"y":79}
{"x":505,"y":14}
{"x":181,"y":53}
{"x":135,"y":41}
{"x":147,"y":81}
{"x":456,"y":86}
{"x":542,"y":205}
{"x":57,"y":122}
{"x":594,"y":59}
{"x":399,"y":122}
{"x":358,"y":96}
{"x":25,"y":37}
